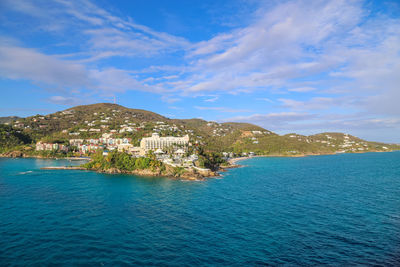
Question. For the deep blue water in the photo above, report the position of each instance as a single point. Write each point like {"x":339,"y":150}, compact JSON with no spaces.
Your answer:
{"x":336,"y":210}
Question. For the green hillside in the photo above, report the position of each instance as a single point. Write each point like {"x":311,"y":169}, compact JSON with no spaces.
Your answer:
{"x":91,"y":121}
{"x":8,"y":119}
{"x":11,"y":138}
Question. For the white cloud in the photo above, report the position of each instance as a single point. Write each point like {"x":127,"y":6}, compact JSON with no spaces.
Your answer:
{"x":302,"y":89}
{"x":265,"y":99}
{"x":68,"y":101}
{"x":212,"y":99}
{"x":315,"y":103}
{"x":170,"y":99}
{"x":222,"y":109}
{"x":117,"y":80}
{"x":375,"y":74}
{"x":175,"y":108}
{"x":286,"y":42}
{"x":338,"y":53}
{"x":24,"y":63}
{"x":305,"y":40}
{"x":273,"y":118}
{"x":101,"y":34}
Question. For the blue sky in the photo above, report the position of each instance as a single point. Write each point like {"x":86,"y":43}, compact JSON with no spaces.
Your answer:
{"x":288,"y":66}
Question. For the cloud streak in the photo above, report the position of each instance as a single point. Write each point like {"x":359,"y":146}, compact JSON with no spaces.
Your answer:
{"x":222,"y":109}
{"x":24,"y":63}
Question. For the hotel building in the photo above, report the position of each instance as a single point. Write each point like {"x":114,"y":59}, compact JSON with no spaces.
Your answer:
{"x":156,"y":142}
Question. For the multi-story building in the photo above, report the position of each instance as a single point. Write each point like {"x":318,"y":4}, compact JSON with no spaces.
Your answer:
{"x":156,"y":142}
{"x":40,"y":146}
{"x":76,"y":142}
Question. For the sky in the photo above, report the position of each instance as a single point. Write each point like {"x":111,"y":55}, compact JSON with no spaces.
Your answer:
{"x":288,"y":66}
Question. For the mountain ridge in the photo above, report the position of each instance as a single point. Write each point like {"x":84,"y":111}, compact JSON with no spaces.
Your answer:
{"x":8,"y":119}
{"x":90,"y":121}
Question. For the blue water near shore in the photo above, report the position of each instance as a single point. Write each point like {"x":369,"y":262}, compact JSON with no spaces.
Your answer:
{"x":336,"y":210}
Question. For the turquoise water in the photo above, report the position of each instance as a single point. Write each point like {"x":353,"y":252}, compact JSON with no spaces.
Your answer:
{"x":336,"y":210}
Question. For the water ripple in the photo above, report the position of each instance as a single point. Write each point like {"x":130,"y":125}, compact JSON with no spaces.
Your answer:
{"x":329,"y":210}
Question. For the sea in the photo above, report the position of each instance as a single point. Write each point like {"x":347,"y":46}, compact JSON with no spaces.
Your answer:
{"x":337,"y":210}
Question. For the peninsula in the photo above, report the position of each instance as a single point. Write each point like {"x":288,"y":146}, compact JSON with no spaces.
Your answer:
{"x":124,"y":140}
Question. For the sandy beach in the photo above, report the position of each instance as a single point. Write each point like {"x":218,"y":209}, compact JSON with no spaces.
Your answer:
{"x":234,"y":161}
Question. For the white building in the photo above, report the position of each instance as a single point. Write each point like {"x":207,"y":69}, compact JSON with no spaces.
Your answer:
{"x":40,"y":146}
{"x":156,"y":142}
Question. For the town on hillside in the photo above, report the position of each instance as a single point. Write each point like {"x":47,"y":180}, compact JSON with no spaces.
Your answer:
{"x":85,"y":130}
{"x":170,"y":149}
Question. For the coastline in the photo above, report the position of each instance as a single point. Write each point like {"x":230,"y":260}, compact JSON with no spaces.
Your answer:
{"x":189,"y":175}
{"x":234,"y":161}
{"x":18,"y":154}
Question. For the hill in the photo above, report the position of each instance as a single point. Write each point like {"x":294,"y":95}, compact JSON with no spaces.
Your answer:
{"x":11,"y":138}
{"x":91,"y":121}
{"x":8,"y":119}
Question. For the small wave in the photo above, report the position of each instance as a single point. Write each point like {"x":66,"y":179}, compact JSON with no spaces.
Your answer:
{"x":25,"y":172}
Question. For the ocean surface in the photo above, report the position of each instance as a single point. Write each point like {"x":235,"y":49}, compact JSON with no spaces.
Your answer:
{"x":320,"y":210}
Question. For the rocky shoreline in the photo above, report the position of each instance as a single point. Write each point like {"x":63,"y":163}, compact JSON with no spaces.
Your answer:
{"x":13,"y":154}
{"x":188,"y":174}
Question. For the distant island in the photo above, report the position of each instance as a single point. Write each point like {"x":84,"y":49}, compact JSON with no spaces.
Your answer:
{"x":123,"y":140}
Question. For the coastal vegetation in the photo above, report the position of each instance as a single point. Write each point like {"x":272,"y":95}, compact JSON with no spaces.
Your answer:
{"x":208,"y":139}
{"x":11,"y":138}
{"x":8,"y":119}
{"x":210,"y":160}
{"x":123,"y":162}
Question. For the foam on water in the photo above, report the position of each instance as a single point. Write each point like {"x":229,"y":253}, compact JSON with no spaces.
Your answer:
{"x":25,"y":172}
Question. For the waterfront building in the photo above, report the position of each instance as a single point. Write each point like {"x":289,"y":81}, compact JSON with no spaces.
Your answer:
{"x":40,"y":146}
{"x":156,"y":142}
